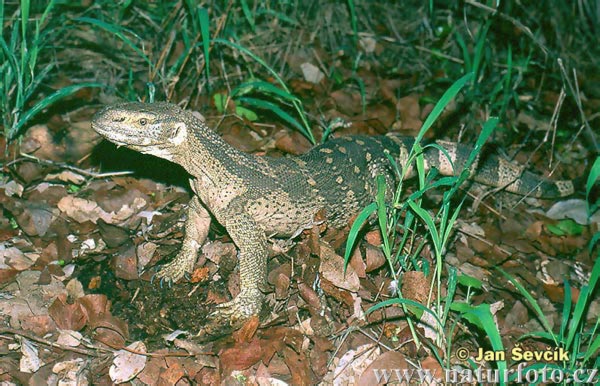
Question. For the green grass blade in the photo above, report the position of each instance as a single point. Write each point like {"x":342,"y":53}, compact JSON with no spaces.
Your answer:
{"x":465,"y":52}
{"x":297,"y":104}
{"x":482,"y":316}
{"x":452,"y":284}
{"x":582,"y":302}
{"x":44,"y":103}
{"x":355,"y":228}
{"x":24,"y":19}
{"x":566,"y":311}
{"x":538,"y":335}
{"x":263,"y":104}
{"x":382,"y":215}
{"x":595,"y":346}
{"x":428,"y":220}
{"x":478,"y":55}
{"x":264,"y":87}
{"x":118,"y":32}
{"x":205,"y":31}
{"x":532,"y":302}
{"x":353,"y":22}
{"x":592,"y":179}
{"x":280,"y":16}
{"x":47,"y":11}
{"x":408,"y":302}
{"x":248,"y":15}
{"x":442,"y":103}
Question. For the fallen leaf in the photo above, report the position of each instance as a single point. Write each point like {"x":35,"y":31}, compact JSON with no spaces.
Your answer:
{"x":126,"y":365}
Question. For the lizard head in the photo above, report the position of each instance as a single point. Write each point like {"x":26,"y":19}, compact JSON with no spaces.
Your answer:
{"x":154,"y":128}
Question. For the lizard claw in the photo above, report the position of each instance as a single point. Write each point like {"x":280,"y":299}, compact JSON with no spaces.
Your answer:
{"x":174,"y":270}
{"x":231,"y":315}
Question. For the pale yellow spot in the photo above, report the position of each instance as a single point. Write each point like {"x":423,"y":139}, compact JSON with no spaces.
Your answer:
{"x":311,"y":182}
{"x":359,"y":142}
{"x":339,"y":180}
{"x":342,"y":149}
{"x":329,"y":160}
{"x":326,"y":150}
{"x":356,"y":170}
{"x":368,"y":156}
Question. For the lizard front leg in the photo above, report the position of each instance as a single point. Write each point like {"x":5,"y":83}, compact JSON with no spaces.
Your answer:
{"x":196,"y":230}
{"x":252,"y":243}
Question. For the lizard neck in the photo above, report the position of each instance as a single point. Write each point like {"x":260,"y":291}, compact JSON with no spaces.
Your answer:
{"x":206,"y":154}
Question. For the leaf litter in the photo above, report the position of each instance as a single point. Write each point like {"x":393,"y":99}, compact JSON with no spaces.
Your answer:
{"x":77,"y":256}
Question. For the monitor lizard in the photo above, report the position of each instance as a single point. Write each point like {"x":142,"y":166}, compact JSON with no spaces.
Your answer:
{"x":257,"y":196}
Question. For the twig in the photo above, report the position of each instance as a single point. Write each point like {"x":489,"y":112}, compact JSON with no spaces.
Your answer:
{"x":46,"y":342}
{"x":28,"y":157}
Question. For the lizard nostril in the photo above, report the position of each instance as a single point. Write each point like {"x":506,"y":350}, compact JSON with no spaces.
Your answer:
{"x":119,"y":119}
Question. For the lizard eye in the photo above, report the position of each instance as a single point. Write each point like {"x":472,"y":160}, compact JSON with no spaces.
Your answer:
{"x":143,"y":121}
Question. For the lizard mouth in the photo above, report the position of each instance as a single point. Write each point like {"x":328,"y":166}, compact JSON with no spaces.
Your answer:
{"x":122,"y":137}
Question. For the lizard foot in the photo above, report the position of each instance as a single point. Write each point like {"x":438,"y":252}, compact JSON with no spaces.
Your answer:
{"x":182,"y":265}
{"x":231,"y":315}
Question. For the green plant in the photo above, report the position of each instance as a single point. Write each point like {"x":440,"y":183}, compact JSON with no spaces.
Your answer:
{"x":21,"y":75}
{"x":572,"y":337}
{"x":281,"y":94}
{"x":438,"y":228}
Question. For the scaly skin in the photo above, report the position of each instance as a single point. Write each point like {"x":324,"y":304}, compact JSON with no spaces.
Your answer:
{"x":253,"y":197}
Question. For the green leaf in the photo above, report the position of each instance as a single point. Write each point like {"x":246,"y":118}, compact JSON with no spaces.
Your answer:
{"x":263,"y":104}
{"x":264,"y":87}
{"x":118,"y":32}
{"x":408,"y":302}
{"x":44,"y":103}
{"x":355,"y":228}
{"x":220,"y":99}
{"x":481,"y":316}
{"x":248,"y":14}
{"x":442,"y":103}
{"x":246,"y":113}
{"x":470,"y":281}
{"x":204,"y":30}
{"x":592,"y":179}
{"x":566,"y":227}
{"x":532,"y":302}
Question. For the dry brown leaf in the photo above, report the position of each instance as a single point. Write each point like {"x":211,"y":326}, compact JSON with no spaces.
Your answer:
{"x":387,"y":361}
{"x":299,"y":366}
{"x":248,"y":330}
{"x":433,"y":366}
{"x":310,"y":296}
{"x":200,"y":274}
{"x":67,"y":316}
{"x":124,"y":263}
{"x":240,"y":357}
{"x":332,"y":269}
{"x":13,"y":258}
{"x":374,"y":237}
{"x":291,"y":142}
{"x":358,"y":264}
{"x":171,"y":375}
{"x":66,"y":176}
{"x":415,"y":286}
{"x":375,"y":258}
{"x":81,"y":210}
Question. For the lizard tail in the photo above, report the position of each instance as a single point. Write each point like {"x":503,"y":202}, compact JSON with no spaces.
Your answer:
{"x":495,"y":171}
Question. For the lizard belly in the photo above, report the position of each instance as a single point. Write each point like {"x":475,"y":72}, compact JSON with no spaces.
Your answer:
{"x":279,"y":216}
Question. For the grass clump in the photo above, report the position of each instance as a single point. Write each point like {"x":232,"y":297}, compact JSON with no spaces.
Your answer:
{"x":22,"y":75}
